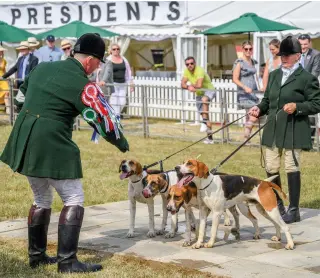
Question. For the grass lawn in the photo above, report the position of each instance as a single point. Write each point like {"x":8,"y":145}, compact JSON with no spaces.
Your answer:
{"x":14,"y":258}
{"x":101,"y":161}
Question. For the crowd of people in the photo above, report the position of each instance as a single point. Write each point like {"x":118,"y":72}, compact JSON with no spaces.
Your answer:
{"x":251,"y":85}
{"x":113,"y":75}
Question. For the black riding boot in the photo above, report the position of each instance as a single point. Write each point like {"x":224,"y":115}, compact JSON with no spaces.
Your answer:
{"x":294,"y":184}
{"x":70,"y":223}
{"x":38,"y":223}
{"x":280,"y":204}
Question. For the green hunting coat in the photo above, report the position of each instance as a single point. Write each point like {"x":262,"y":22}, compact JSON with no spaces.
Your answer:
{"x":40,"y":144}
{"x":284,"y":130}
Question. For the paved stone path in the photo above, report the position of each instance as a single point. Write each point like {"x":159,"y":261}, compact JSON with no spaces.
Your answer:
{"x":105,"y":227}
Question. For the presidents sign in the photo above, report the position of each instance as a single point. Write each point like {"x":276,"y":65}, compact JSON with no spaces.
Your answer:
{"x":51,"y":15}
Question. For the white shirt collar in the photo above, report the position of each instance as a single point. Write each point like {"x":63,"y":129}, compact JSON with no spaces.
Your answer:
{"x":289,"y":71}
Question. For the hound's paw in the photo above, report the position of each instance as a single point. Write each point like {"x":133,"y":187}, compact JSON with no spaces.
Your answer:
{"x":290,"y":246}
{"x":275,"y":238}
{"x":130,"y":234}
{"x":257,"y":236}
{"x":208,"y":244}
{"x":151,"y":234}
{"x":186,"y":243}
{"x":170,"y":235}
{"x":160,"y":232}
{"x":197,"y":245}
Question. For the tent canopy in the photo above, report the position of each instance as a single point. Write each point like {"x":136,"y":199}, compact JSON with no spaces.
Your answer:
{"x":76,"y":29}
{"x":248,"y":22}
{"x":9,"y":33}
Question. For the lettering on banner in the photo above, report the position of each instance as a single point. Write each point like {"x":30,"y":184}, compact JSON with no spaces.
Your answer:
{"x":104,"y":13}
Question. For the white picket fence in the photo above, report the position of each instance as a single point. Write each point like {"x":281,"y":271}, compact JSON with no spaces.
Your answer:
{"x":164,"y":98}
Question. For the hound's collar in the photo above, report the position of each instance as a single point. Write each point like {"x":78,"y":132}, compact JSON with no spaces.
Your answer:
{"x":207,"y":185}
{"x":168,"y":181}
{"x":144,"y":174}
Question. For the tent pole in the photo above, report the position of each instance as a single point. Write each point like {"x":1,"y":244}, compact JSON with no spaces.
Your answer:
{"x":248,"y":36}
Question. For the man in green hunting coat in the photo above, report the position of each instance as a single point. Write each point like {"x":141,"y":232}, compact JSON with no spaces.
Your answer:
{"x":41,"y":147}
{"x":291,"y":95}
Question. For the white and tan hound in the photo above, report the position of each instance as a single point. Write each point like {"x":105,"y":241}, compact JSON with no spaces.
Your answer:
{"x":132,"y":170}
{"x":217,"y":192}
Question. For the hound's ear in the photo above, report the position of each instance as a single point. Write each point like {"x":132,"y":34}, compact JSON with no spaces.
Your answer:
{"x":138,"y":169}
{"x":123,"y":161}
{"x":203,"y":170}
{"x":187,"y":195}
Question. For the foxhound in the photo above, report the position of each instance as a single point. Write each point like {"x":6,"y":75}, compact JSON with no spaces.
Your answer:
{"x":217,"y":192}
{"x":132,"y":170}
{"x":160,"y":183}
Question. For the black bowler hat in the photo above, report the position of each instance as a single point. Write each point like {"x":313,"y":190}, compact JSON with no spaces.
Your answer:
{"x":91,"y":44}
{"x":289,"y":46}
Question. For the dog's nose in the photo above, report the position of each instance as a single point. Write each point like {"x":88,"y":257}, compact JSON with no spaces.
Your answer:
{"x":169,"y":208}
{"x":177,"y":168}
{"x":123,"y":167}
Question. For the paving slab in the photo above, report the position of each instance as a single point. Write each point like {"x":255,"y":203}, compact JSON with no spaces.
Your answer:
{"x":105,"y":228}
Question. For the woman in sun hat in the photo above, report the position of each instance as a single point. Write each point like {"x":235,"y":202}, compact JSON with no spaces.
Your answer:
{"x":66,"y":47}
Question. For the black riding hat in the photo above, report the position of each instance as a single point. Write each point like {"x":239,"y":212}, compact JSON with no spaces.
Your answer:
{"x":289,"y":46}
{"x":91,"y":44}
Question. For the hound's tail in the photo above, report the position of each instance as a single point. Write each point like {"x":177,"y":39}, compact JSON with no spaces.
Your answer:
{"x":276,"y":187}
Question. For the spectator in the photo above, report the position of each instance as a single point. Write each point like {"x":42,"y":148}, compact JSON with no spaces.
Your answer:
{"x":4,"y":86}
{"x":33,"y":46}
{"x":49,"y":52}
{"x":24,"y":64}
{"x":291,"y":95}
{"x":274,"y":62}
{"x":195,"y":78}
{"x":121,"y":77}
{"x":66,"y":48}
{"x":245,"y":77}
{"x":310,"y":61}
{"x":102,"y":76}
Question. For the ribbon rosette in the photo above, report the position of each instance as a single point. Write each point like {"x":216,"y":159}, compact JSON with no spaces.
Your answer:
{"x":92,"y":96}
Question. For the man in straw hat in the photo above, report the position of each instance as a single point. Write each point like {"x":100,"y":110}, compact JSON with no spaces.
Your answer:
{"x":48,"y":114}
{"x":66,"y":48}
{"x":291,"y":95}
{"x":24,"y":64}
{"x":33,"y":45}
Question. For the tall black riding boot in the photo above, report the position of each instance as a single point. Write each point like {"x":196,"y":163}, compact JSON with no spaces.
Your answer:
{"x":38,"y":223}
{"x":280,"y":204}
{"x":70,"y":223}
{"x":294,"y":184}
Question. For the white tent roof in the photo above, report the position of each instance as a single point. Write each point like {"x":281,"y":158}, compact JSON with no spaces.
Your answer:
{"x":201,"y":15}
{"x":303,"y":14}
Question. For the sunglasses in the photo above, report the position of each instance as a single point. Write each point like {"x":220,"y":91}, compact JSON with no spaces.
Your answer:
{"x":68,"y":48}
{"x":304,"y":37}
{"x":114,"y":49}
{"x":248,"y":49}
{"x":187,"y":64}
